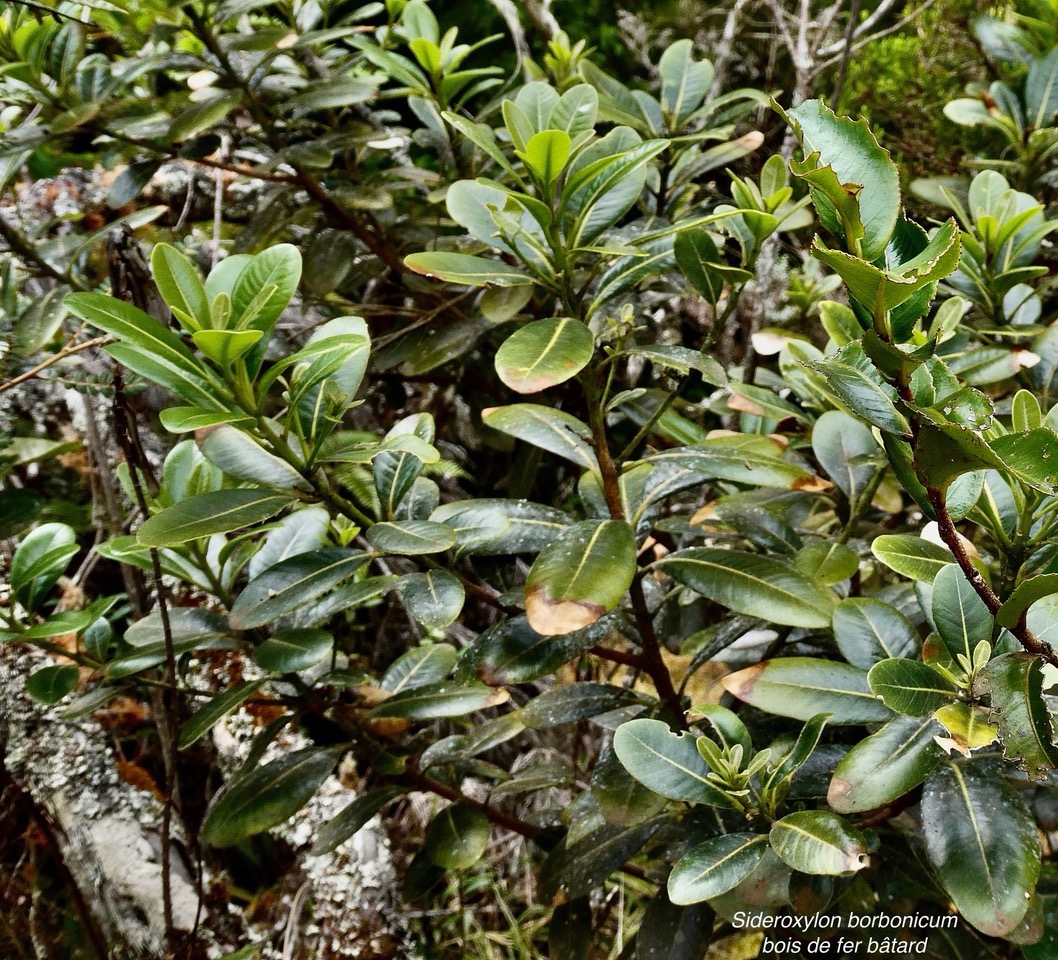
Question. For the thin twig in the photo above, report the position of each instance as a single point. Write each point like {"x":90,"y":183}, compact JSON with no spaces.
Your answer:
{"x":68,"y":351}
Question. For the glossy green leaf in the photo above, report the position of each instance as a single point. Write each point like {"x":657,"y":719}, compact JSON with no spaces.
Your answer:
{"x":910,"y":687}
{"x":960,"y":615}
{"x":288,"y":651}
{"x":456,"y":837}
{"x":512,"y":652}
{"x":801,"y":687}
{"x":982,"y":843}
{"x":714,"y":867}
{"x":752,"y":584}
{"x":911,"y":556}
{"x":849,"y":148}
{"x":583,"y":574}
{"x":571,"y":702}
{"x":156,"y":346}
{"x":553,"y":430}
{"x":748,"y":458}
{"x":666,"y":762}
{"x":1031,"y":456}
{"x":239,"y":455}
{"x":210,"y":714}
{"x":433,"y":701}
{"x":292,"y":583}
{"x":411,"y":537}
{"x":352,"y":818}
{"x":818,"y":842}
{"x":543,"y":354}
{"x":878,"y":290}
{"x":886,"y":765}
{"x":50,"y":684}
{"x":267,"y":795}
{"x":277,"y":267}
{"x":829,"y":563}
{"x":39,"y":561}
{"x":434,"y":598}
{"x":203,"y":115}
{"x":188,"y":419}
{"x":868,"y":630}
{"x":420,"y":666}
{"x":220,"y":511}
{"x":862,"y":394}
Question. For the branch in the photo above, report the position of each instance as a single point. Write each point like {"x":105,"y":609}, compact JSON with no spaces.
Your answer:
{"x":876,"y":15}
{"x":68,"y":351}
{"x":725,"y":48}
{"x":652,"y":661}
{"x":20,"y":246}
{"x":953,"y":541}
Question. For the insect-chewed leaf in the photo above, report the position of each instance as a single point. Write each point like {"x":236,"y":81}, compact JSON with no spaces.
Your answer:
{"x":666,"y":762}
{"x":1015,"y":682}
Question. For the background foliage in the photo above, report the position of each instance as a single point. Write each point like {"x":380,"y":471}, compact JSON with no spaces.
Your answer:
{"x":583,"y":448}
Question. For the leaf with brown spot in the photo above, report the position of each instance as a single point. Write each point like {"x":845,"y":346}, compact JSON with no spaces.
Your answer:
{"x":544,"y":354}
{"x":582,"y":575}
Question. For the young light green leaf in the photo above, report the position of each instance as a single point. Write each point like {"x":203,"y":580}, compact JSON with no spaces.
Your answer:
{"x":179,"y":283}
